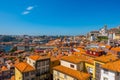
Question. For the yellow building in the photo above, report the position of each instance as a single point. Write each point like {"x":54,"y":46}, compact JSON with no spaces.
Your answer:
{"x":24,"y":71}
{"x":53,"y":62}
{"x":90,"y":68}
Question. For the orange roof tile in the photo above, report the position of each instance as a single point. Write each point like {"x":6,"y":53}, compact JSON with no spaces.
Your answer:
{"x":4,"y":68}
{"x":107,"y":46}
{"x":24,"y":67}
{"x":90,"y":61}
{"x":115,"y":49}
{"x":73,"y":73}
{"x":12,"y":78}
{"x":53,"y":58}
{"x":113,"y":66}
{"x":38,"y":57}
{"x":107,"y":58}
{"x":35,"y":57}
{"x":76,"y":58}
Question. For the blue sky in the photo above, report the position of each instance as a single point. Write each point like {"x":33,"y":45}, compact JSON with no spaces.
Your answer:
{"x":57,"y":17}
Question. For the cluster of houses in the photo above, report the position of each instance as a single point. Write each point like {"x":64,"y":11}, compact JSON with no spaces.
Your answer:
{"x":63,"y":58}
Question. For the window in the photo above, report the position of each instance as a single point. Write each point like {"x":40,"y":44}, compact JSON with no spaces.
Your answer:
{"x":47,"y":62}
{"x":71,"y":65}
{"x":65,"y":76}
{"x":43,"y":70}
{"x":97,"y":64}
{"x":38,"y":64}
{"x":33,"y":79}
{"x":90,"y":52}
{"x":29,"y":61}
{"x":46,"y":69}
{"x":27,"y":74}
{"x":94,"y":53}
{"x":33,"y":64}
{"x":105,"y":78}
{"x":32,"y":73}
{"x":43,"y":63}
{"x":117,"y":73}
{"x":58,"y":73}
{"x":105,"y":71}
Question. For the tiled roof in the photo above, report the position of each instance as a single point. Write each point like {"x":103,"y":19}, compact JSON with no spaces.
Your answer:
{"x":12,"y":78}
{"x":76,"y":58}
{"x":107,"y":58}
{"x":4,"y":68}
{"x":53,"y":59}
{"x":72,"y":59}
{"x":115,"y":48}
{"x":73,"y":73}
{"x":90,"y":61}
{"x":107,"y":46}
{"x":24,"y":67}
{"x":35,"y":57}
{"x":113,"y":66}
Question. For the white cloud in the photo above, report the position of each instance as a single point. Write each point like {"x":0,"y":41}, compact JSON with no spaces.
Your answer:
{"x":25,"y":12}
{"x":30,"y":8}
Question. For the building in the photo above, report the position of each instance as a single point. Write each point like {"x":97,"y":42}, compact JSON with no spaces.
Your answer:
{"x":111,"y":71}
{"x":41,"y":65}
{"x":69,"y":65}
{"x":5,"y":73}
{"x":24,"y":71}
{"x":99,"y":61}
{"x":53,"y":63}
{"x":65,"y":73}
{"x":93,"y":35}
{"x":95,"y":52}
{"x":103,"y":31}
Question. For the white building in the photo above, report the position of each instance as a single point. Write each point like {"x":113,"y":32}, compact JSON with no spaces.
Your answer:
{"x":71,"y":68}
{"x":111,"y":71}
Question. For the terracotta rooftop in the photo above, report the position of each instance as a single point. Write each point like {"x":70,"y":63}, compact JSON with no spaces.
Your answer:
{"x":12,"y":78}
{"x":4,"y":68}
{"x":107,"y":58}
{"x":73,"y":73}
{"x":115,"y":49}
{"x":53,"y":58}
{"x":37,"y":57}
{"x":107,"y":46}
{"x":76,"y":58}
{"x":113,"y":66}
{"x":24,"y":67}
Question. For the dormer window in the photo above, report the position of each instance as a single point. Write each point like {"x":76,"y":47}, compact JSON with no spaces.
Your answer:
{"x":71,"y":65}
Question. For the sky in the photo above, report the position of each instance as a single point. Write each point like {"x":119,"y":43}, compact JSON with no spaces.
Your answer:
{"x":57,"y":17}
